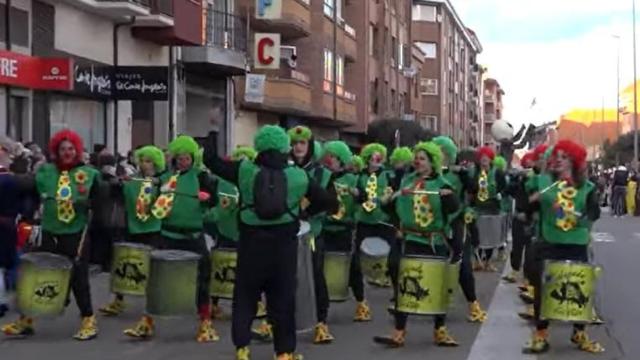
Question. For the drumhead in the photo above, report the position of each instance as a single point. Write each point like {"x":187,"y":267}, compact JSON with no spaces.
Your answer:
{"x":305,"y":227}
{"x":174,"y":255}
{"x":132,"y":245}
{"x":425,"y":258}
{"x":47,"y":260}
{"x":375,"y":246}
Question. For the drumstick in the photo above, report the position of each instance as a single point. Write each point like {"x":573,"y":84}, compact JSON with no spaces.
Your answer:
{"x":229,"y":195}
{"x":425,"y":192}
{"x":549,"y":187}
{"x":83,"y":237}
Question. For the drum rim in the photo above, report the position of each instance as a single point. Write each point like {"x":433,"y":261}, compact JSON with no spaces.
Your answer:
{"x":339,"y":253}
{"x":429,"y":257}
{"x":224,"y":249}
{"x":133,"y":245}
{"x":194,"y":256}
{"x":67,"y":266}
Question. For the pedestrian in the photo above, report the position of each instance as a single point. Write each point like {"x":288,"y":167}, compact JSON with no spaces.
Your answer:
{"x":619,"y":191}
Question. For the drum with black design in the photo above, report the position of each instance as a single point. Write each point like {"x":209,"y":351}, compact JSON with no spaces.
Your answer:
{"x":172,"y":285}
{"x":130,"y":268}
{"x":373,"y":259}
{"x":305,"y":291}
{"x":422,"y":285}
{"x":568,"y":290}
{"x":490,"y":231}
{"x":223,"y":272}
{"x":336,"y":273}
{"x":43,"y":284}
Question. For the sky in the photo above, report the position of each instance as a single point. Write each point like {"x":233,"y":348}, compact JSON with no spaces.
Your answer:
{"x":563,"y":53}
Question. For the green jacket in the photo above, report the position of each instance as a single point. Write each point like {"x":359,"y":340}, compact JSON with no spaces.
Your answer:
{"x":367,"y":187}
{"x":225,"y":213}
{"x":344,"y":218}
{"x":320,"y":175}
{"x":131,"y":191}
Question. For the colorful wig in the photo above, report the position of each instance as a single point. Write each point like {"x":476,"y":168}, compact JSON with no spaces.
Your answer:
{"x":433,"y":152}
{"x":539,"y":151}
{"x":357,"y":163}
{"x":317,"y":150}
{"x":300,"y":133}
{"x":241,"y":152}
{"x":527,"y":158}
{"x":500,"y":163}
{"x":66,"y":135}
{"x":272,"y":137}
{"x":184,"y":144}
{"x":154,"y":154}
{"x":338,"y":149}
{"x":371,"y":149}
{"x":448,"y":147}
{"x":485,"y":151}
{"x":401,"y":155}
{"x":575,"y":151}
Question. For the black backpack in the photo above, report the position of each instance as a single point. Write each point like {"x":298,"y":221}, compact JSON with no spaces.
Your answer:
{"x":270,"y":193}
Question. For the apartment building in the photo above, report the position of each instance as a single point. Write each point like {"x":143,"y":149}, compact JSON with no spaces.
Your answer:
{"x":492,"y":98}
{"x":449,"y":78}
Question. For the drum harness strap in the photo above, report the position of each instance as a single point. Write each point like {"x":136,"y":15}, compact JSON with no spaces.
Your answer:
{"x":426,"y":234}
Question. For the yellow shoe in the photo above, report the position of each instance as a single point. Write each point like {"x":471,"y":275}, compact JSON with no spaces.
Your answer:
{"x":206,"y":332}
{"x":363,"y":313}
{"x":476,"y":314}
{"x":114,"y":308}
{"x":442,"y":337}
{"x":581,"y":339}
{"x":143,"y":329}
{"x":528,"y":296}
{"x":21,"y":327}
{"x":511,"y":277}
{"x":243,"y":353}
{"x":88,"y":329}
{"x":322,"y":334}
{"x":478,"y":266}
{"x":263,"y":333}
{"x":489,"y":267}
{"x":262,"y":310}
{"x":528,"y":313}
{"x":538,"y":343}
{"x":288,"y":356}
{"x":395,"y":340}
{"x":524,"y":286}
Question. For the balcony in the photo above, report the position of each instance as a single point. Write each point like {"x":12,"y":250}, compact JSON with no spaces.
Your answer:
{"x":489,"y":118}
{"x":161,"y":15}
{"x":286,"y":91}
{"x":114,"y":9}
{"x":225,"y":45}
{"x":348,"y":40}
{"x":346,"y":106}
{"x":171,"y":22}
{"x":294,"y":23}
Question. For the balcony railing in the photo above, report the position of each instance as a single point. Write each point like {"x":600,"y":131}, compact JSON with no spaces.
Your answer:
{"x":226,"y":30}
{"x":162,"y":7}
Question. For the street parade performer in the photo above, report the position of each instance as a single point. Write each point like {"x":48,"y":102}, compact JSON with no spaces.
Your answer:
{"x":139,"y":195}
{"x":271,"y":192}
{"x":304,"y":152}
{"x":457,"y":177}
{"x":426,"y":204}
{"x":67,"y":189}
{"x":374,"y":193}
{"x":485,"y":191}
{"x":185,"y":194}
{"x":568,"y":205}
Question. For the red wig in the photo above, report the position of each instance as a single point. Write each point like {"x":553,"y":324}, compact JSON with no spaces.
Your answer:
{"x":66,"y":135}
{"x":539,"y":151}
{"x":527,"y":158}
{"x":575,"y":151}
{"x":485,"y":151}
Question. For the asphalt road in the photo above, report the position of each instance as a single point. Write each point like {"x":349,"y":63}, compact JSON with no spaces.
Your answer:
{"x":617,"y":249}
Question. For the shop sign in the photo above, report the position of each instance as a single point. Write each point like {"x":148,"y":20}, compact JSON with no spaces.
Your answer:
{"x":268,"y":9}
{"x":267,"y":51}
{"x":254,"y":88}
{"x":123,"y":82}
{"x":34,"y":72}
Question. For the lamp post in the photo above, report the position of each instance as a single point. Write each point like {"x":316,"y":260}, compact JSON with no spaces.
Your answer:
{"x":635,"y":93}
{"x":617,"y":37}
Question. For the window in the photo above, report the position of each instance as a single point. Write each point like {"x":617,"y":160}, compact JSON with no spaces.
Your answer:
{"x":328,"y":70}
{"x":372,"y":37}
{"x":429,"y":122}
{"x":340,"y":75}
{"x":428,"y":48}
{"x":428,"y":86}
{"x":423,"y":13}
{"x":394,"y":53}
{"x":328,"y":7}
{"x":393,"y":100}
{"x":376,"y":43}
{"x":401,"y":63}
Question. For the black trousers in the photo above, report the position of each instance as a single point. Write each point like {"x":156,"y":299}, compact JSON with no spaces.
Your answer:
{"x":196,"y":244}
{"x":547,"y":251}
{"x":414,"y":248}
{"x":68,"y":245}
{"x":223,"y":242}
{"x":521,"y":234}
{"x":466,"y":279}
{"x":267,"y":260}
{"x":320,"y":283}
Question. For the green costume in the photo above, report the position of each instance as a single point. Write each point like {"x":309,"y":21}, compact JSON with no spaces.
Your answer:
{"x":225,"y":214}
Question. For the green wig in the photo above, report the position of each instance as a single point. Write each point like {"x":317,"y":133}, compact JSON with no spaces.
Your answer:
{"x":372,"y":148}
{"x":338,"y":149}
{"x":184,"y":144}
{"x":317,"y":150}
{"x":500,"y":163}
{"x":401,"y":155}
{"x":300,"y":133}
{"x":243,"y":152}
{"x":154,"y":154}
{"x":448,"y":147}
{"x":272,"y":137}
{"x":433,"y":152}
{"x":357,"y":163}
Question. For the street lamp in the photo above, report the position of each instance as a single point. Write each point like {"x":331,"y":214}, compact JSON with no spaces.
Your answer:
{"x":617,"y":37}
{"x":635,"y":93}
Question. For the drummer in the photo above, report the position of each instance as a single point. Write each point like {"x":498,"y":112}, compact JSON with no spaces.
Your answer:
{"x":565,"y":235}
{"x":374,"y":193}
{"x":184,"y":196}
{"x":424,"y":228}
{"x":68,"y":189}
{"x":500,"y":164}
{"x":268,"y":248}
{"x":355,"y":166}
{"x":457,"y":177}
{"x":485,"y":189}
{"x":139,"y":194}
{"x":304,"y":153}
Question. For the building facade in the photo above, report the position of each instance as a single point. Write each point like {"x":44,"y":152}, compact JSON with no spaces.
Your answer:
{"x":492,"y":98}
{"x":449,"y":77}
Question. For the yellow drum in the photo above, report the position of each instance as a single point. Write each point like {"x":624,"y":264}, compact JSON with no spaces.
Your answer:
{"x":336,"y":273}
{"x":223,"y":272}
{"x":568,"y":289}
{"x":43,"y":284}
{"x":373,"y":260}
{"x":422,"y":285}
{"x":130,"y":268}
